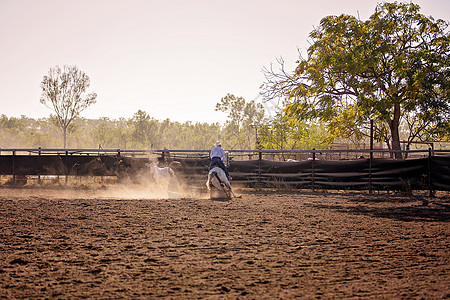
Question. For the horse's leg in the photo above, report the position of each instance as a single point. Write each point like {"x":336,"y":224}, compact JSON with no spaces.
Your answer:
{"x":208,"y":184}
{"x":228,"y":187}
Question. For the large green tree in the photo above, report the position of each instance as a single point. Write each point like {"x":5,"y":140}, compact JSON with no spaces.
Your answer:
{"x":64,"y":90}
{"x":392,"y":68}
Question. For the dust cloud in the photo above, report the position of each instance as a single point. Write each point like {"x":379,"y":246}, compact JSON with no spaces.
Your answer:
{"x":139,"y":186}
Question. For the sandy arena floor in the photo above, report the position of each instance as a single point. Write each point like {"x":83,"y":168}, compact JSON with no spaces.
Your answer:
{"x":55,"y":243}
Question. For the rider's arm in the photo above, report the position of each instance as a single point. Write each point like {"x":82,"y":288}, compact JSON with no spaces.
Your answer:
{"x":222,"y":154}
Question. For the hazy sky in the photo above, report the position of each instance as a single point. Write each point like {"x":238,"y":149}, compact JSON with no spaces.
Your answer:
{"x":171,"y":58}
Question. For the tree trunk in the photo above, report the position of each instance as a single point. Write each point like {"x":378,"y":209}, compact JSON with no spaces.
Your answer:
{"x":394,"y":126}
{"x":65,"y":136}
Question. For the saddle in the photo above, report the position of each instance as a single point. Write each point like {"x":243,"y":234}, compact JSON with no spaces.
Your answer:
{"x":216,"y":164}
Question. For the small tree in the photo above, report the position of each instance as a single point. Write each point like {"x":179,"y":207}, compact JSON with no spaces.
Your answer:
{"x":64,"y":91}
{"x":242,"y":116}
{"x":145,"y":130}
{"x":291,"y":134}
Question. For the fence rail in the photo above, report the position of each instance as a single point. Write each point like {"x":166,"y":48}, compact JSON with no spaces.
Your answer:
{"x":334,"y":154}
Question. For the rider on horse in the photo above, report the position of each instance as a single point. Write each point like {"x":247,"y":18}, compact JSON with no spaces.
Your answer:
{"x":217,"y":156}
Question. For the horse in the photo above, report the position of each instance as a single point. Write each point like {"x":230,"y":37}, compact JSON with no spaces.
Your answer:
{"x":163,"y":176}
{"x":219,"y":179}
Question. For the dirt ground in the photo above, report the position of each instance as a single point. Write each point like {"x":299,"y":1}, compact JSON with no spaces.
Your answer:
{"x":97,"y":243}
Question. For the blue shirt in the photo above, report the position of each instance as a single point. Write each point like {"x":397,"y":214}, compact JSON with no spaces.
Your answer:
{"x":218,"y":151}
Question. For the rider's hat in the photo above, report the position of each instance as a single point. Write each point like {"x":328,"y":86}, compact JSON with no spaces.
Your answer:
{"x":218,"y":143}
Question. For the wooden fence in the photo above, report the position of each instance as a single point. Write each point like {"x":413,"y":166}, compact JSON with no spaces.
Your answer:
{"x":303,"y":169}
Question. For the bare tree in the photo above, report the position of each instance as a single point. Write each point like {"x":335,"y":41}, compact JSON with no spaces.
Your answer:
{"x":64,"y":91}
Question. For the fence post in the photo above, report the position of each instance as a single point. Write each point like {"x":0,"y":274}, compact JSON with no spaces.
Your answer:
{"x":259,"y":168}
{"x":370,"y":157}
{"x":14,"y":166}
{"x":312,"y":169}
{"x":65,"y":167}
{"x":39,"y":176}
{"x":370,"y":172}
{"x":429,"y":173}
